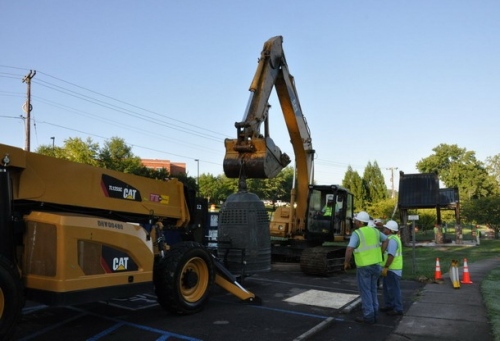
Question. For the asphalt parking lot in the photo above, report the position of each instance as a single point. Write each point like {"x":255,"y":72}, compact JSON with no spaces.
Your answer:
{"x":294,"y":307}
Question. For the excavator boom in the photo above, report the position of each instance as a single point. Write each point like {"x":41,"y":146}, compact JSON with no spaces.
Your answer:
{"x":253,"y":154}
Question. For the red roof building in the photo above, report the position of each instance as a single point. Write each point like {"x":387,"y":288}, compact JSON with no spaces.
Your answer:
{"x":173,"y":168}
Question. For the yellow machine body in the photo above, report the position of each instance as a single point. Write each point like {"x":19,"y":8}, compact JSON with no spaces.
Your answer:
{"x":69,"y":252}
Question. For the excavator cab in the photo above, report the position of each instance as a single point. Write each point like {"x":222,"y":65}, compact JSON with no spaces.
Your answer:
{"x":321,"y":258}
{"x":329,"y":214}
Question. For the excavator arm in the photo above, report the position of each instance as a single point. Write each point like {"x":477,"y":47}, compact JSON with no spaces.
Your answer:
{"x":253,"y":155}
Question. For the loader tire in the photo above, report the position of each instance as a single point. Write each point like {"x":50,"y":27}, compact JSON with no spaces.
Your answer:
{"x":183,"y":278}
{"x":11,"y":298}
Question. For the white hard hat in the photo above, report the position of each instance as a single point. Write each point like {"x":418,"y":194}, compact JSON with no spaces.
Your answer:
{"x":362,"y":216}
{"x":378,"y":221}
{"x":371,"y":223}
{"x":392,"y":225}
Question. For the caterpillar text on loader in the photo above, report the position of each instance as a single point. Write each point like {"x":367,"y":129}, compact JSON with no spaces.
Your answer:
{"x":301,"y":229}
{"x":72,"y":233}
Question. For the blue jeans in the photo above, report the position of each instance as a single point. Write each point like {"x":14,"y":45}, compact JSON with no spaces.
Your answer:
{"x":367,"y":285}
{"x":392,"y":292}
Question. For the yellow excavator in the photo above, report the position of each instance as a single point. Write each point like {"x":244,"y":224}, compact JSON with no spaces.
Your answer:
{"x":317,"y":213}
{"x":72,"y":233}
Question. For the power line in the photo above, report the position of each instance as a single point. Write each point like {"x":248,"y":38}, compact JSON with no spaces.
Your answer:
{"x":190,"y":125}
{"x":121,"y":109}
{"x":107,"y":138}
{"x":188,"y":128}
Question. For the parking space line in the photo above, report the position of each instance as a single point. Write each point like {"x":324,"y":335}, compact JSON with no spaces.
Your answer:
{"x":106,"y":332}
{"x":52,"y":327}
{"x":163,"y":333}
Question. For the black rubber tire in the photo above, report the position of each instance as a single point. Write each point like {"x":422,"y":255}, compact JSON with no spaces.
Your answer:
{"x":11,"y":298}
{"x":183,"y":278}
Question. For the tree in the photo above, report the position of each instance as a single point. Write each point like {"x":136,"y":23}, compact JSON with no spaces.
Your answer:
{"x":159,"y":174}
{"x":483,"y":211}
{"x":220,"y":187}
{"x":117,"y":155}
{"x":279,"y":187}
{"x":209,"y":187}
{"x":493,"y":167}
{"x":353,"y":182}
{"x":226,"y":187}
{"x":459,"y":168}
{"x":75,"y":150}
{"x":374,"y":183}
{"x":367,"y":190}
{"x":383,"y":209}
{"x":48,"y":150}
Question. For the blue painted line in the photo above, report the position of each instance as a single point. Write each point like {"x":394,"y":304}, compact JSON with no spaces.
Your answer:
{"x":29,"y":310}
{"x":52,"y":327}
{"x":106,"y":332}
{"x":164,"y":334}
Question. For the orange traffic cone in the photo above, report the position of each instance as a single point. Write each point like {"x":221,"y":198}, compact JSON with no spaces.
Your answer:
{"x":437,"y":274}
{"x":466,"y":277}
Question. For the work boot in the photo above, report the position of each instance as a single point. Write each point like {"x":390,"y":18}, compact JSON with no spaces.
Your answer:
{"x":394,"y":313}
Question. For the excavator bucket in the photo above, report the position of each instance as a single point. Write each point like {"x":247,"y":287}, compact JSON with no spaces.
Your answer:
{"x":257,"y":158}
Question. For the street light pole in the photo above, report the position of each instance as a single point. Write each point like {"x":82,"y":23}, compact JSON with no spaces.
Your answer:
{"x":53,"y":138}
{"x":197,"y":175}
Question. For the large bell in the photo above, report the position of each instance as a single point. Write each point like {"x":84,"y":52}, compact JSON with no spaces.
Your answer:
{"x":244,"y":242}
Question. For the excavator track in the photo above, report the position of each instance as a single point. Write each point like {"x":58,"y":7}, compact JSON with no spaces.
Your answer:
{"x":322,"y":260}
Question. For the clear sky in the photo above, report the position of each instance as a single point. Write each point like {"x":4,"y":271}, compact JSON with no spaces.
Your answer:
{"x":378,"y":81}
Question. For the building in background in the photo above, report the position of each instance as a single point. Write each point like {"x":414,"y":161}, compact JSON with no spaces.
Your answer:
{"x":173,"y":168}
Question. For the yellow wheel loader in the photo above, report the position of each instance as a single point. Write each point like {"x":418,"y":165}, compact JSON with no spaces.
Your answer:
{"x":72,"y":233}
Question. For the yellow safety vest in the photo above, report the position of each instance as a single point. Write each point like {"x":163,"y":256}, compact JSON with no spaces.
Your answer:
{"x":368,"y":251}
{"x":397,"y":262}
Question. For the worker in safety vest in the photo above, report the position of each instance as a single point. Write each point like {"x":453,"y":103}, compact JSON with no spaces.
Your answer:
{"x":367,"y":244}
{"x":327,"y":210}
{"x":392,"y":271}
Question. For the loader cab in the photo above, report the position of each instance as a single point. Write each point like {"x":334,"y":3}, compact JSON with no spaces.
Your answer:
{"x":329,"y":214}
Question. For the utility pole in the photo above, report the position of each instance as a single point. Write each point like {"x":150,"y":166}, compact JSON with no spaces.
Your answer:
{"x":392,"y":169}
{"x":27,"y":108}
